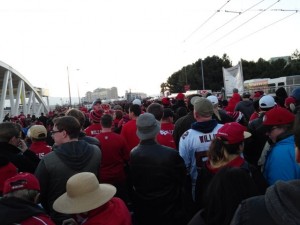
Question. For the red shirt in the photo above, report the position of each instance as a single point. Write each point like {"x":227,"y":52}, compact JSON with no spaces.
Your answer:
{"x":113,"y":212}
{"x":115,"y":153}
{"x":164,"y":137}
{"x":40,"y":148}
{"x":93,"y":130}
{"x":129,"y":133}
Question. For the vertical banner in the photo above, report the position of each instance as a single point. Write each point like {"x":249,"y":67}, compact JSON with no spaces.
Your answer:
{"x":233,"y":78}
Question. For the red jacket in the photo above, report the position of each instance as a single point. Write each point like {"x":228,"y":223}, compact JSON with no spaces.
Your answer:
{"x":113,"y":212}
{"x":40,"y":148}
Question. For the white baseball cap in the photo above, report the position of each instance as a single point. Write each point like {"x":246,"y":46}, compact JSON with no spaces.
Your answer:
{"x":267,"y":101}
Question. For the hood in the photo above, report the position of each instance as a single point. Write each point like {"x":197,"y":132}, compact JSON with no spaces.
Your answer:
{"x":205,"y":127}
{"x":283,"y":202}
{"x":15,"y":210}
{"x":247,"y":103}
{"x":75,"y":154}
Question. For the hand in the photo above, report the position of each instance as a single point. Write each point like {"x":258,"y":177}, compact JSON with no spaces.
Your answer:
{"x":22,"y":145}
{"x":70,"y":221}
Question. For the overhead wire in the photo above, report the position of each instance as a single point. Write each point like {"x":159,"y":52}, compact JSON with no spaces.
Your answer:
{"x":243,"y":23}
{"x":296,"y":11}
{"x":240,"y":13}
{"x":206,"y":21}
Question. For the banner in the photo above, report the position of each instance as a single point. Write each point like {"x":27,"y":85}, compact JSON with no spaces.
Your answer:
{"x":233,"y":78}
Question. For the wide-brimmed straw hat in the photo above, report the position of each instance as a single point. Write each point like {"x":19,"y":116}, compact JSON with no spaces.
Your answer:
{"x":84,"y":193}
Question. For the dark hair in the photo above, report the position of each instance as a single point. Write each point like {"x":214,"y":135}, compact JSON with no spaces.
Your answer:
{"x":106,"y":121}
{"x":157,"y":110}
{"x":78,"y":115}
{"x":168,"y":113}
{"x":217,"y":148}
{"x":118,"y":114}
{"x":69,"y":124}
{"x":296,"y":130}
{"x":189,"y":104}
{"x":9,"y":130}
{"x":225,"y":192}
{"x":136,"y":109}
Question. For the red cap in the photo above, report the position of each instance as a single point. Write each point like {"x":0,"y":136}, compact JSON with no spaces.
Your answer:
{"x":20,"y":182}
{"x":289,"y":100}
{"x":165,"y":101}
{"x":278,"y":116}
{"x":233,"y":133}
{"x":180,"y":96}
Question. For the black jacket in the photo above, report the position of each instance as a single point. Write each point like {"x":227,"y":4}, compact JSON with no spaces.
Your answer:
{"x":59,"y":165}
{"x":158,"y":176}
{"x":25,"y":161}
{"x":279,"y":206}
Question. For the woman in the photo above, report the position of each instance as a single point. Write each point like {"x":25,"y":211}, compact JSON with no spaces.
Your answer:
{"x":226,"y":151}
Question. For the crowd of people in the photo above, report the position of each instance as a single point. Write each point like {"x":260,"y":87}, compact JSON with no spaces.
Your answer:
{"x":192,"y":160}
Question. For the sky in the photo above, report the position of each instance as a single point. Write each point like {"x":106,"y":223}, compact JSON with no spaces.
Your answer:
{"x":135,"y":45}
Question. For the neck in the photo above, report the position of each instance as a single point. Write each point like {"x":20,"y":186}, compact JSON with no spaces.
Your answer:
{"x":105,"y":130}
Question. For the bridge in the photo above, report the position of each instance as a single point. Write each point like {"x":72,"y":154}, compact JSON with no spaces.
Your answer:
{"x":17,"y":92}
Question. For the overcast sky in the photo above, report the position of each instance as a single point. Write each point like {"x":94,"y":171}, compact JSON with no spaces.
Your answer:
{"x":136,"y":44}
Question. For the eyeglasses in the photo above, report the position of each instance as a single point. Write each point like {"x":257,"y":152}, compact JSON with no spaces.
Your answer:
{"x":55,"y":131}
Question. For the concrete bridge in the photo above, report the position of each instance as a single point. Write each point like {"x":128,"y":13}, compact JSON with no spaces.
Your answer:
{"x":17,"y":94}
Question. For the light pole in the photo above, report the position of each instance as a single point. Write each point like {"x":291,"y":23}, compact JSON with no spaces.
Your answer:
{"x":69,"y":87}
{"x":203,"y":88}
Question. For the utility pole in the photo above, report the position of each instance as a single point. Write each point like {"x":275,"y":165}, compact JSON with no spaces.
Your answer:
{"x":203,"y":87}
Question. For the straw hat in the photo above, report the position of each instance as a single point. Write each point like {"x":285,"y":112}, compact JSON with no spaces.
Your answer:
{"x":84,"y":193}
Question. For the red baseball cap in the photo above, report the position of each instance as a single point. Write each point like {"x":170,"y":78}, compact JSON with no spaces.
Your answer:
{"x":278,"y":116}
{"x":233,"y":133}
{"x":20,"y":182}
{"x":165,"y":101}
{"x":180,"y":96}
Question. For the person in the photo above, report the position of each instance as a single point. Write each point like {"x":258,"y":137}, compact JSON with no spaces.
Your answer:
{"x":38,"y":135}
{"x":79,"y":115}
{"x":43,"y":119}
{"x":19,"y":204}
{"x":245,"y":106}
{"x":219,"y":114}
{"x":289,"y":103}
{"x":195,"y":142}
{"x":96,"y":105}
{"x":184,"y":123}
{"x":259,"y":139}
{"x":296,"y":95}
{"x":226,"y":190}
{"x":163,"y":137}
{"x":94,"y":128}
{"x":7,"y":170}
{"x":281,"y":95}
{"x":14,"y":149}
{"x":278,"y":123}
{"x":69,"y":156}
{"x":129,"y":129}
{"x":281,"y":203}
{"x":115,"y":157}
{"x":158,"y":177}
{"x":91,"y":203}
{"x":233,"y":100}
{"x":226,"y":151}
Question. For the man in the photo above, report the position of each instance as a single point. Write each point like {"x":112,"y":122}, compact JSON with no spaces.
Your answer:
{"x":158,"y":176}
{"x":245,"y":106}
{"x":163,"y":137}
{"x":115,"y":155}
{"x":280,"y":162}
{"x":184,"y":123}
{"x":280,"y":204}
{"x":38,"y":135}
{"x":259,"y":139}
{"x":95,"y":127}
{"x":79,"y":115}
{"x":69,"y":156}
{"x":129,"y":129}
{"x":14,"y":149}
{"x":195,"y":142}
{"x":95,"y":203}
{"x":19,"y":204}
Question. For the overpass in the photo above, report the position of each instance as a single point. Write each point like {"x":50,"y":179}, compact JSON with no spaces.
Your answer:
{"x":18,"y":94}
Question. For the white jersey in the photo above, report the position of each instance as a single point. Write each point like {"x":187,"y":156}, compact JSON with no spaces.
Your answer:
{"x":194,"y":145}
